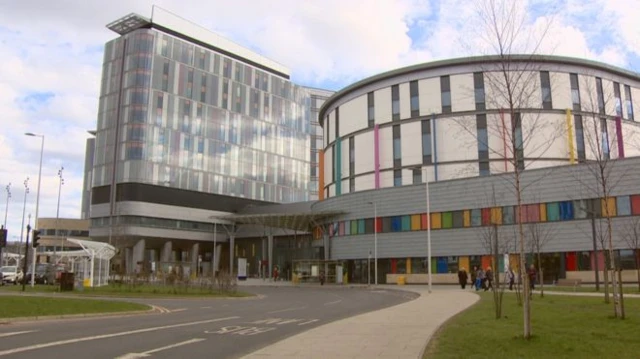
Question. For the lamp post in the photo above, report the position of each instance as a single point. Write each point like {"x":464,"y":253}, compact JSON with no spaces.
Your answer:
{"x":24,"y":211}
{"x":60,"y":183}
{"x":4,"y":226}
{"x":426,"y":184}
{"x":375,"y":241}
{"x":33,"y":263}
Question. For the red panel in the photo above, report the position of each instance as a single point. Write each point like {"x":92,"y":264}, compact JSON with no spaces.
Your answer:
{"x":394,"y":266}
{"x":378,"y":223}
{"x":600,"y":260}
{"x":524,"y":214}
{"x":571,"y":261}
{"x":486,"y":262}
{"x":424,"y":221}
{"x":486,"y":216}
{"x":533,"y":213}
{"x":635,"y":204}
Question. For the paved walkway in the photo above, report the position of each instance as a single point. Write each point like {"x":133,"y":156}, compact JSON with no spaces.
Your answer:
{"x":401,"y":331}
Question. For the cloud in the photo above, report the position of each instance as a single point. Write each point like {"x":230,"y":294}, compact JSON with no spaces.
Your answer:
{"x":52,"y":59}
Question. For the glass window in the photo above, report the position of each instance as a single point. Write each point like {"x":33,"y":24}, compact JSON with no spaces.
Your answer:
{"x":415,"y":99}
{"x":600,"y":95}
{"x":370,"y":110}
{"x":426,"y":142}
{"x":445,"y":94}
{"x":397,"y":178}
{"x":476,"y":217}
{"x":579,"y":137}
{"x":624,"y":205}
{"x":546,"y":90}
{"x":575,"y":91}
{"x":580,"y":209}
{"x":395,"y":102}
{"x":386,"y":224}
{"x":626,"y":259}
{"x":618,"y":99}
{"x":604,"y":138}
{"x":417,"y":175}
{"x":478,"y":85}
{"x":508,"y":215}
{"x":628,"y":102}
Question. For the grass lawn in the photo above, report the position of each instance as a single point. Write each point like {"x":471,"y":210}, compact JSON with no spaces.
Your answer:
{"x":562,"y":327}
{"x":143,"y":290}
{"x":24,"y":306}
{"x":626,"y":289}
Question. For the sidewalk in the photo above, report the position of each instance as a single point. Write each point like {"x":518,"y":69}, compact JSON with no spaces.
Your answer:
{"x":401,"y":331}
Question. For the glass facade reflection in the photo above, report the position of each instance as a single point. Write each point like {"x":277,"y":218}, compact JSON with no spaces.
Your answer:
{"x":190,"y":118}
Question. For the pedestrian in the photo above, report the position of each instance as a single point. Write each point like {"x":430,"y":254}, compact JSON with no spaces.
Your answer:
{"x":479,"y":279}
{"x":473,"y":276}
{"x":462,"y":277}
{"x":322,"y":278}
{"x":511,"y":277}
{"x":275,"y":273}
{"x":532,"y":273}
{"x":489,"y":279}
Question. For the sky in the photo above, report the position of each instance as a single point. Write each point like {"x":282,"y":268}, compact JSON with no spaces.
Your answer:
{"x":52,"y":52}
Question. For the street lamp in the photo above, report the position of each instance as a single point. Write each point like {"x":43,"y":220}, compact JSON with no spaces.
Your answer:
{"x":6,"y":209}
{"x":375,"y":241}
{"x":24,"y":211}
{"x":33,"y":263}
{"x":60,"y":183}
{"x":426,"y":183}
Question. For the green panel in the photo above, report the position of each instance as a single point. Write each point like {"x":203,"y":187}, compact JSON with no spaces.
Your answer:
{"x":354,"y":226}
{"x":500,"y":263}
{"x":553,"y":211}
{"x":361,"y":229}
{"x":434,"y":264}
{"x":447,"y":220}
{"x":406,"y":223}
{"x":338,"y":168}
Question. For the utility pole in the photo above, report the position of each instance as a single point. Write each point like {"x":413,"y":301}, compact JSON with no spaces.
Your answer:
{"x":60,"y":183}
{"x":24,"y":210}
{"x":4,"y":226}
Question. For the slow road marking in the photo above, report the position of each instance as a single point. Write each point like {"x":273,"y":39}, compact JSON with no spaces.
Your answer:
{"x":286,"y":310}
{"x":105,"y":336}
{"x":16,"y":333}
{"x":149,"y":352}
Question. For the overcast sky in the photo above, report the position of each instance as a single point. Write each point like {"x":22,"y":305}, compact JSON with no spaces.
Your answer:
{"x":52,"y":52}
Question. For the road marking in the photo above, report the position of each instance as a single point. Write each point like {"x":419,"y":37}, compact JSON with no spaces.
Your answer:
{"x":286,"y":310}
{"x":240,"y":330}
{"x":334,"y":302}
{"x":105,"y":336}
{"x":16,"y":333}
{"x":309,"y":321}
{"x":149,"y":352}
{"x":205,"y":307}
{"x":177,"y":310}
{"x":160,"y":309}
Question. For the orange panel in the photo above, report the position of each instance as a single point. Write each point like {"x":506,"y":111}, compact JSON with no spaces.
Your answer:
{"x":486,"y":262}
{"x":609,"y":207}
{"x":321,"y":175}
{"x":496,"y":215}
{"x":543,"y":212}
{"x":436,"y":220}
{"x":415,"y":222}
{"x":466,"y":218}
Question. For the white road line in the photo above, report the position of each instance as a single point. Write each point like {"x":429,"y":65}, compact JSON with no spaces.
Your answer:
{"x":205,"y":307}
{"x":177,"y":310}
{"x":286,"y":310}
{"x":149,"y":352}
{"x":334,"y":302}
{"x":105,"y":336}
{"x":16,"y":333}
{"x":160,"y":309}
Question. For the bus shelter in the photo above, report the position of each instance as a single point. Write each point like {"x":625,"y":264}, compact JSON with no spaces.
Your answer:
{"x":91,"y":264}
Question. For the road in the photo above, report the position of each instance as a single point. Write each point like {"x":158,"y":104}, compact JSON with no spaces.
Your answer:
{"x":195,"y":328}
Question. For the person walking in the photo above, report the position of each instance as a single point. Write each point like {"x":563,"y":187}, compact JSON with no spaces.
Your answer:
{"x":479,"y":279}
{"x":474,"y":273}
{"x":511,"y":277}
{"x":462,"y":278}
{"x":532,"y":273}
{"x":489,"y":279}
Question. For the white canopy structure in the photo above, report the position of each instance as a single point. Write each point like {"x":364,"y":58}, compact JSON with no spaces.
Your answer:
{"x":91,"y":263}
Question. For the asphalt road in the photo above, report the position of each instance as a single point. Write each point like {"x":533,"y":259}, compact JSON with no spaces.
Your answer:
{"x":195,"y":328}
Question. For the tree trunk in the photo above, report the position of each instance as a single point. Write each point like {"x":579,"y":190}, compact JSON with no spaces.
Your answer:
{"x":523,"y":265}
{"x":612,"y":265}
{"x":497,"y":297}
{"x":638,"y":267}
{"x":605,"y":274}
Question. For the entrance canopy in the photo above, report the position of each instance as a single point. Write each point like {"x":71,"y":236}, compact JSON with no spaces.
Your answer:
{"x":302,"y":221}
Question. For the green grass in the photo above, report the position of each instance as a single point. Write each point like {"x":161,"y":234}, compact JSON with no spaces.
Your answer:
{"x":589,"y":289}
{"x":26,"y":306}
{"x":137,"y":291}
{"x":562,"y":327}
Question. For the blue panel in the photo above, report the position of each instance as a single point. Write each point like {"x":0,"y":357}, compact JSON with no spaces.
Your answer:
{"x":566,"y":211}
{"x":442,"y":265}
{"x":396,"y":224}
{"x":624,"y":206}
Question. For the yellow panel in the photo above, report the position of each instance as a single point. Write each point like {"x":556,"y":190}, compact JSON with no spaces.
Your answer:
{"x":543,"y":212}
{"x":408,"y":265}
{"x":466,"y":218}
{"x":572,"y":152}
{"x":415,"y":222}
{"x":496,"y":215}
{"x":608,"y":207}
{"x":463,"y":262}
{"x":436,"y":220}
{"x":514,"y":262}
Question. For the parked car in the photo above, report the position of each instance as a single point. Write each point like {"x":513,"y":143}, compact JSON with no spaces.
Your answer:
{"x":45,"y":274}
{"x":11,"y":274}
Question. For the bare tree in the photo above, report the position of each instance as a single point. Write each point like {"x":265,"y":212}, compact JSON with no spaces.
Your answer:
{"x":512,"y":86}
{"x":631,"y":237}
{"x":538,"y":236}
{"x":597,"y":149}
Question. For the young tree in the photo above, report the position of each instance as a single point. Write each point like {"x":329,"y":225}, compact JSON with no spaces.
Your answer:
{"x":538,"y":236}
{"x":511,"y":85}
{"x":597,"y":149}
{"x":631,"y":237}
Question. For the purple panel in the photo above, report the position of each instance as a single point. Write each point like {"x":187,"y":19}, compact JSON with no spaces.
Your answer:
{"x":619,"y":137}
{"x":376,"y":155}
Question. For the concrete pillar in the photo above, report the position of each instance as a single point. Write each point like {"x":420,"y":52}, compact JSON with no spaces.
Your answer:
{"x":128,"y":258}
{"x":232,"y":245}
{"x":327,"y":253}
{"x":264,"y":257}
{"x":166,"y":254}
{"x":270,"y":255}
{"x":195,"y":250}
{"x":217,"y":251}
{"x":138,"y":253}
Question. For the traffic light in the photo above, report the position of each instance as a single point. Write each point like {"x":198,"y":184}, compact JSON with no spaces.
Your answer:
{"x":36,"y":238}
{"x":3,"y":237}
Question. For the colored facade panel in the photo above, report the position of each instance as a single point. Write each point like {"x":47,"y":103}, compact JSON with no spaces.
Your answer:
{"x":599,"y":257}
{"x":408,"y":266}
{"x":347,"y":228}
{"x":434,"y":265}
{"x":466,"y":221}
{"x":533,"y":213}
{"x":500,"y":268}
{"x":623,"y":205}
{"x":436,"y":220}
{"x":476,"y":217}
{"x":424,"y":221}
{"x":396,"y":224}
{"x":443,"y":266}
{"x":354,"y":226}
{"x":572,"y":151}
{"x":608,"y":207}
{"x":406,"y":223}
{"x":394,"y":266}
{"x":447,"y":220}
{"x":635,"y":205}
{"x":486,"y":216}
{"x":361,"y":226}
{"x":514,"y":261}
{"x":543,"y":212}
{"x":553,"y":211}
{"x":338,"y":169}
{"x":571,"y":261}
{"x":496,"y":215}
{"x":321,"y":175}
{"x":463,"y":262}
{"x":415,"y":222}
{"x":486,"y":262}
{"x":376,"y":155}
{"x":378,"y":225}
{"x":341,"y":229}
{"x":566,"y":210}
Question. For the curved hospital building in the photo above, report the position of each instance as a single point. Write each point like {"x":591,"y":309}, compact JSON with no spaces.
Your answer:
{"x":206,"y":152}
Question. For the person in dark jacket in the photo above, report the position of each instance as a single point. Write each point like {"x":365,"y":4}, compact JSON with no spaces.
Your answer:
{"x":462,"y":277}
{"x":489,"y":279}
{"x":473,"y":276}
